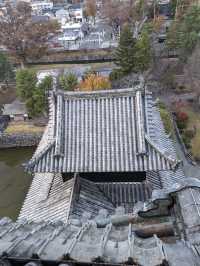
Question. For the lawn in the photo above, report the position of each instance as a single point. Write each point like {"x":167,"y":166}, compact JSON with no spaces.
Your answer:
{"x":23,"y":127}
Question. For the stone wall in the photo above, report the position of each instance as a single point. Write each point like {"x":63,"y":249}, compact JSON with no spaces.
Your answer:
{"x":83,"y":56}
{"x":19,"y":140}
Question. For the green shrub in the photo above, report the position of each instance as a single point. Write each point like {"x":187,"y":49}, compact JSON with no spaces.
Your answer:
{"x":167,"y":122}
{"x":116,"y":74}
{"x":161,"y":105}
{"x":187,"y":141}
{"x":181,"y":125}
{"x":68,"y":81}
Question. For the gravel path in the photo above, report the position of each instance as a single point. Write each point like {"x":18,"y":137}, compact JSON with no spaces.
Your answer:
{"x":189,"y":169}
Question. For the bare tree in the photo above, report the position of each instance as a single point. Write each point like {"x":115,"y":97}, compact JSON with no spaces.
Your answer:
{"x":181,"y":7}
{"x":24,"y":38}
{"x":131,"y":11}
{"x":192,"y":72}
{"x":116,"y":12}
{"x":91,"y":8}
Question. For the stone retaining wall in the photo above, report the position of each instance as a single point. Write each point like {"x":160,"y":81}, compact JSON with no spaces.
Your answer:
{"x":19,"y":140}
{"x":103,"y":55}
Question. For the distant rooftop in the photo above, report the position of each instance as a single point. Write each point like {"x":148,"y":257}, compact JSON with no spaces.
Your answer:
{"x":75,"y":6}
{"x":15,"y":108}
{"x":37,"y":18}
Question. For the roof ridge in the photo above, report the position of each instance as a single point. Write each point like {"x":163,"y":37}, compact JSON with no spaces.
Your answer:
{"x":173,"y":161}
{"x":39,"y":155}
{"x":140,"y":123}
{"x":59,"y":126}
{"x":100,"y":93}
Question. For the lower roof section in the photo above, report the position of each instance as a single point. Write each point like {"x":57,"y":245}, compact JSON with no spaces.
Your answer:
{"x":51,"y":199}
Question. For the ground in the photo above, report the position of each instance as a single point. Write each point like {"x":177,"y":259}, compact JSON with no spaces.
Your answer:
{"x":23,"y":127}
{"x":194,"y":121}
{"x":7,"y":95}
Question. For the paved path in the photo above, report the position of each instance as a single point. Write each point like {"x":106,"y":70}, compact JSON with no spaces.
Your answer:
{"x":189,"y":169}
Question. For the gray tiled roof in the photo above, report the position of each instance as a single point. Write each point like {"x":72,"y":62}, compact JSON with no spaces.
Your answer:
{"x":151,"y":235}
{"x":58,"y":201}
{"x":126,"y":194}
{"x":106,"y":131}
{"x":63,"y":199}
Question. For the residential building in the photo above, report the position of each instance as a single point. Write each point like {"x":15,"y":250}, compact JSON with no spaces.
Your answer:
{"x":76,"y":12}
{"x":62,"y":15}
{"x":39,"y":6}
{"x":16,"y":110}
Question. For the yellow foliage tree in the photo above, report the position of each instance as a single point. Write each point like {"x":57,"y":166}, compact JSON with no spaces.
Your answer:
{"x":94,"y":82}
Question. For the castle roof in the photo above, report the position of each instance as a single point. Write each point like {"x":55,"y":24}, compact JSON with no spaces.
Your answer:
{"x":151,"y":235}
{"x":103,"y":131}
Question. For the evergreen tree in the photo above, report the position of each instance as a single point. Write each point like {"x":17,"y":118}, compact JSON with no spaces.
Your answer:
{"x":125,"y":52}
{"x":31,"y":92}
{"x":184,"y":33}
{"x":26,"y":80}
{"x":132,"y":55}
{"x":6,"y":69}
{"x":40,"y":97}
{"x":142,"y":53}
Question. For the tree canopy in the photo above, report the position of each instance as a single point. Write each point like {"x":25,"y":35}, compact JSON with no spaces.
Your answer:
{"x":125,"y":52}
{"x":24,"y":38}
{"x":142,"y":54}
{"x":6,"y":69}
{"x":91,"y":8}
{"x":118,"y":13}
{"x":132,"y":55}
{"x":184,"y":33}
{"x":33,"y":92}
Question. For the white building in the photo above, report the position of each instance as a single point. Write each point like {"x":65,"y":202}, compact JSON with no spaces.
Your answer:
{"x":76,"y":12}
{"x":62,"y":16}
{"x":38,"y":7}
{"x":72,"y":32}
